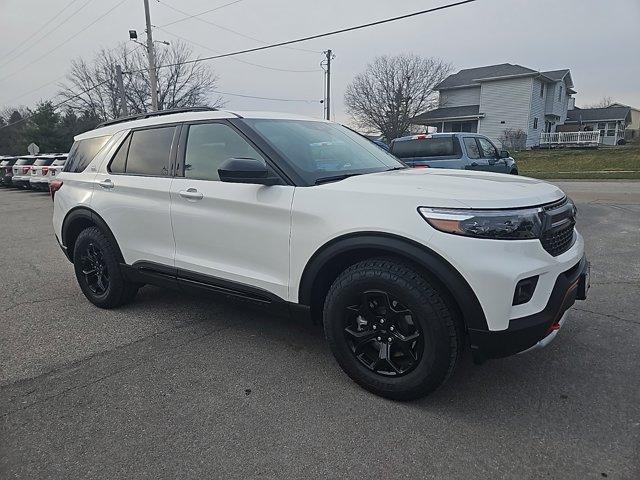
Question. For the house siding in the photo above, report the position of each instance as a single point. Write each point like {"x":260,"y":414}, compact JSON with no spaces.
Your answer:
{"x":537,"y":111}
{"x":505,"y":101}
{"x":460,"y":97}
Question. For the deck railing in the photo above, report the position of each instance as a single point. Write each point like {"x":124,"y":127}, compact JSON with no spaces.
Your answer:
{"x":570,"y":138}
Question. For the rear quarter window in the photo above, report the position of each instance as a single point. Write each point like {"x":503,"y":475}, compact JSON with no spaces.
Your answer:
{"x":426,"y":147}
{"x":83,"y":152}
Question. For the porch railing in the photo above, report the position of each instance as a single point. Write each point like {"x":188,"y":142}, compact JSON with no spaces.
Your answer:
{"x":570,"y":138}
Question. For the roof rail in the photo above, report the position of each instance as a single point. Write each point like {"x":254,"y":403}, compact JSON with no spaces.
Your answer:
{"x":140,"y":116}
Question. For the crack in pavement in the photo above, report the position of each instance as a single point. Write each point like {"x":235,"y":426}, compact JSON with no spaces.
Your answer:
{"x":609,"y":315}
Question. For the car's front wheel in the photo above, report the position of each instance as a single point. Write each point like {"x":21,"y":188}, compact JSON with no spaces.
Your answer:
{"x":390,"y":329}
{"x":98,"y":271}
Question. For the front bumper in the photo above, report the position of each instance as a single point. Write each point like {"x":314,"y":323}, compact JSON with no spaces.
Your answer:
{"x":535,"y":330}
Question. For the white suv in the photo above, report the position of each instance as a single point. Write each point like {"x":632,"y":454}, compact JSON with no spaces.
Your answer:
{"x":404,"y":266}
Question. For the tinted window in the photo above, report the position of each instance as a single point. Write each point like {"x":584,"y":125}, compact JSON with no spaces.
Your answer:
{"x":149,"y":151}
{"x":472,"y":147}
{"x":120,"y":158}
{"x":83,"y":152}
{"x":320,"y":150}
{"x":43,"y":161}
{"x":24,"y":161}
{"x":209,"y":145}
{"x":488,"y":150}
{"x":427,"y":147}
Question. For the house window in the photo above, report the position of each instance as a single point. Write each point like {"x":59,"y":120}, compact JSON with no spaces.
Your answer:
{"x":535,"y":123}
{"x":541,"y":89}
{"x":602,"y":126}
{"x":560,"y":93}
{"x":611,"y":133}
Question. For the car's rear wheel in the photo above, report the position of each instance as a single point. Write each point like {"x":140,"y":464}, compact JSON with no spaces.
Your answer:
{"x":390,"y":329}
{"x":98,"y":270}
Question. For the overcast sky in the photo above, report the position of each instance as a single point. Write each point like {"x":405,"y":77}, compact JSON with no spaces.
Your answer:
{"x":599,"y":41}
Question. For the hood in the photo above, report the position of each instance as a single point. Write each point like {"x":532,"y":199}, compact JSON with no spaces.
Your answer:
{"x":435,"y":187}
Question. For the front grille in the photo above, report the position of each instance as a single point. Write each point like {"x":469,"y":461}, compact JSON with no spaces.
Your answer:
{"x":558,"y":220}
{"x":558,"y":241}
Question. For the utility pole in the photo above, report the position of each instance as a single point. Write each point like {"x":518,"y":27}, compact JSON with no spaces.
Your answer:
{"x":327,"y":95}
{"x":123,"y":102}
{"x":152,"y":59}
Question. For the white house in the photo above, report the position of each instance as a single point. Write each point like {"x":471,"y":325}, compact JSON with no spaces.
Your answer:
{"x":490,"y":100}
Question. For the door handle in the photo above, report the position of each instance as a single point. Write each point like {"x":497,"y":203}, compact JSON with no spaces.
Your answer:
{"x":106,"y":183}
{"x":191,"y":194}
{"x":474,"y":164}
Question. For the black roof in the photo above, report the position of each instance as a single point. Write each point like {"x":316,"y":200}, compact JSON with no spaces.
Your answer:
{"x":449,"y":112}
{"x":578,"y":115}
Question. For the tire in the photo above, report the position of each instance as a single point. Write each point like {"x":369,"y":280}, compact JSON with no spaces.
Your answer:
{"x":106,"y":287}
{"x":424,"y":345}
{"x":514,"y":172}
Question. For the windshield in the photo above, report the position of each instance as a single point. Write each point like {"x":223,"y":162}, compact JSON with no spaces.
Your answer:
{"x":319,"y":150}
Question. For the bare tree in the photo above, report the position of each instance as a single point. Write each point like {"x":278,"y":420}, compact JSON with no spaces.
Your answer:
{"x":393,"y":90}
{"x":513,"y":139}
{"x":604,"y":102}
{"x":92,"y":86}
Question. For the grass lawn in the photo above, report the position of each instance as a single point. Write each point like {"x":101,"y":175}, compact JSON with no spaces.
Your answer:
{"x":604,"y":162}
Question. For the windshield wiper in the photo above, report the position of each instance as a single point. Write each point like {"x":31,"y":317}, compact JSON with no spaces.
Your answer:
{"x":396,"y":168}
{"x":335,"y":178}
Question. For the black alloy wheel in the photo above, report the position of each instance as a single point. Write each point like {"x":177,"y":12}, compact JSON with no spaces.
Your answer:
{"x":94,"y":269}
{"x":383,"y":334}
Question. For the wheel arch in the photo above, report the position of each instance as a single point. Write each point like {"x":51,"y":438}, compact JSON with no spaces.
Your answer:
{"x":338,"y":254}
{"x":80,"y":218}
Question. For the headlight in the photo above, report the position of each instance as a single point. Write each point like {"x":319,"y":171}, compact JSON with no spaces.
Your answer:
{"x":496,"y":224}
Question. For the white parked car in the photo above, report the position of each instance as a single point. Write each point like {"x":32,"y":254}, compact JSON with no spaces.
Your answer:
{"x":405,"y":267}
{"x":42,"y":169}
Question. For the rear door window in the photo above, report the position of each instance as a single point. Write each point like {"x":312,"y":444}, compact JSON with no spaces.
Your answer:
{"x":426,"y":147}
{"x":83,"y":152}
{"x":145,"y":152}
{"x":473,"y":151}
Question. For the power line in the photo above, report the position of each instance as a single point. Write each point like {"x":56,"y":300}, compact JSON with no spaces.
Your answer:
{"x":66,"y":41}
{"x":39,"y":30}
{"x":197,"y":17}
{"x":63,"y":76}
{"x":265,"y":47}
{"x":265,"y":98}
{"x":314,"y":37}
{"x":189,"y":16}
{"x":47,"y":33}
{"x":268,"y":67}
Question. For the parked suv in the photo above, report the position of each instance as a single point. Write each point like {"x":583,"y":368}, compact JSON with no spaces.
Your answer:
{"x":39,"y":170}
{"x":405,"y":267}
{"x":6,"y":170}
{"x":21,"y":171}
{"x":468,"y":151}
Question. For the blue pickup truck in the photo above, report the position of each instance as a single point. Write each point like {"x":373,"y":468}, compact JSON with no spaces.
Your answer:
{"x":466,"y":151}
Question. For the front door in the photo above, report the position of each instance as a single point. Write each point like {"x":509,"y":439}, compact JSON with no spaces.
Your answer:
{"x":230,"y":232}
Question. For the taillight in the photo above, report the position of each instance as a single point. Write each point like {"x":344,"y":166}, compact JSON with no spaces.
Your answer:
{"x":54,"y":186}
{"x":421,"y":166}
{"x":45,"y":170}
{"x":25,"y":170}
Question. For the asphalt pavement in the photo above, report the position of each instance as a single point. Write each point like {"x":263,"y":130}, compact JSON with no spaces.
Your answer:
{"x":190,"y":387}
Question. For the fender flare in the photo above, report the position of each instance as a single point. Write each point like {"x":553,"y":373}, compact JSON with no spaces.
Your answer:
{"x":402,"y":247}
{"x":86,"y":214}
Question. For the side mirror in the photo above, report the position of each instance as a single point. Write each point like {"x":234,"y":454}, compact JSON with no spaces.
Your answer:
{"x":246,"y":170}
{"x":504,"y":154}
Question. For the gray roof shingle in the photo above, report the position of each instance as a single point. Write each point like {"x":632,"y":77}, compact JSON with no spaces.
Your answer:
{"x":596,"y":114}
{"x":469,"y":75}
{"x":556,"y":74}
{"x":449,"y":112}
